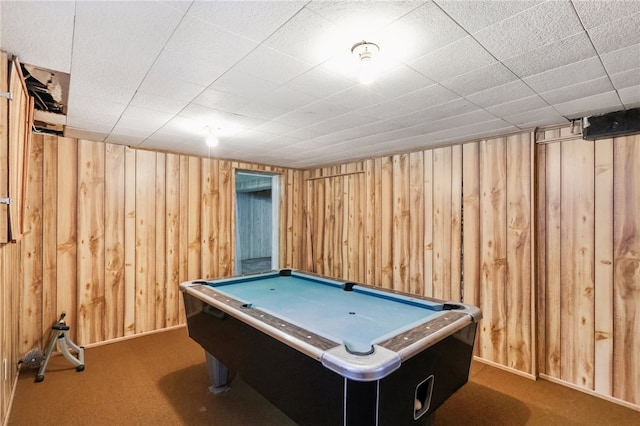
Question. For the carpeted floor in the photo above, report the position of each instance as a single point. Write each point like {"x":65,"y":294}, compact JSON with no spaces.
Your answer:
{"x":161,"y":379}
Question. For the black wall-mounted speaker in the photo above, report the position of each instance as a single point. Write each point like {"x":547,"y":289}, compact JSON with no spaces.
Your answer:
{"x":617,"y":123}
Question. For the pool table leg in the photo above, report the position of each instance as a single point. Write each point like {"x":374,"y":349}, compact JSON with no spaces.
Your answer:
{"x":218,"y":374}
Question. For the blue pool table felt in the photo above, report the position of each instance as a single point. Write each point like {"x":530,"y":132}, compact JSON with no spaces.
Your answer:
{"x":358,"y":318}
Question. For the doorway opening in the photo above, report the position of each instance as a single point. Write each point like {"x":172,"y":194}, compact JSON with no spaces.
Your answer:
{"x":257,"y":220}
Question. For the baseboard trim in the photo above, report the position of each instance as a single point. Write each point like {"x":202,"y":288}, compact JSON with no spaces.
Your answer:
{"x":505,"y":368}
{"x":591,"y":392}
{"x":133,"y":336}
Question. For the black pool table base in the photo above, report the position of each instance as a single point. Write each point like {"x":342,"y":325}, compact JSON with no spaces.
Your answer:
{"x":311,"y":394}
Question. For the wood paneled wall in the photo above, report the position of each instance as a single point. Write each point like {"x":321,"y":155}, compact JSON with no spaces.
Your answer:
{"x":589,"y":253}
{"x":9,"y":331}
{"x":114,"y":230}
{"x":396,"y":222}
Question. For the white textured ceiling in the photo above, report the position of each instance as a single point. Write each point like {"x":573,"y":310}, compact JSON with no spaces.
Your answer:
{"x":279,"y":82}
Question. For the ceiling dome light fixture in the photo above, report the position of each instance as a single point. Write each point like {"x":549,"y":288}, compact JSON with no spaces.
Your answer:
{"x":365,"y":51}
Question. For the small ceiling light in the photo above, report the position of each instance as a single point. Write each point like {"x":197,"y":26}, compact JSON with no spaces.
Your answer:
{"x":365,"y":50}
{"x":211,"y":139}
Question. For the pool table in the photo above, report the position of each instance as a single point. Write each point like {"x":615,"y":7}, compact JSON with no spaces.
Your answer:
{"x":332,"y":352}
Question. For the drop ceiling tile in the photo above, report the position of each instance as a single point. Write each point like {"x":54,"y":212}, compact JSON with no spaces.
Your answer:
{"x":562,"y":52}
{"x":497,"y":95}
{"x":626,"y":79}
{"x":182,"y":127}
{"x":313,"y":113}
{"x":386,"y":110}
{"x":285,"y":97}
{"x":143,"y":118}
{"x":399,"y":81}
{"x":122,"y":129}
{"x":255,"y":20}
{"x":177,"y":65}
{"x":471,"y":117}
{"x":630,"y":96}
{"x":476,"y":15}
{"x":351,"y":16}
{"x":96,"y":136}
{"x":621,"y":60}
{"x":124,"y":139}
{"x":429,"y":96}
{"x":431,"y":29}
{"x":454,"y":59}
{"x":595,"y":13}
{"x":218,"y":99}
{"x":50,"y":26}
{"x":261,"y":110}
{"x":307,"y":36}
{"x":546,"y":116}
{"x":222,"y":119}
{"x":275,"y":128}
{"x":588,"y":69}
{"x":603,"y":102}
{"x":342,"y":122}
{"x":209,"y":43}
{"x":356,"y":97}
{"x":518,"y":106}
{"x":101,"y":112}
{"x":99,"y":92}
{"x":540,"y":25}
{"x":160,"y":85}
{"x":157,"y":103}
{"x":617,"y":34}
{"x":270,"y":65}
{"x":319,"y":83}
{"x":479,"y":79}
{"x":109,"y":35}
{"x":579,"y":90}
{"x":96,"y":126}
{"x":589,"y":105}
{"x":245,"y":85}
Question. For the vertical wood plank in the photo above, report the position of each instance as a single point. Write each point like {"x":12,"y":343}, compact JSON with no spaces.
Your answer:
{"x":553,"y":260}
{"x":442,"y":208}
{"x":209,"y":228}
{"x":226,"y":201}
{"x":145,"y":241}
{"x":416,"y":222}
{"x":183,"y":245}
{"x":401,"y":225}
{"x":130,"y":239}
{"x":370,"y":222}
{"x":626,"y":260}
{"x":49,"y":227}
{"x":160,"y":241}
{"x":471,"y":220}
{"x":603,"y":267}
{"x":455,"y":283}
{"x":31,"y":253}
{"x":114,"y":240}
{"x":577,"y":274}
{"x":493,"y":255}
{"x":428,"y":223}
{"x":66,"y":288}
{"x":193,"y":219}
{"x":386,"y":221}
{"x":172,"y":223}
{"x":378,"y":220}
{"x":91,"y":290}
{"x":518,"y":250}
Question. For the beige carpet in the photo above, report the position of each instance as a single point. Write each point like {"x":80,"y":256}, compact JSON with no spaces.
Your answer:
{"x":161,"y":379}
